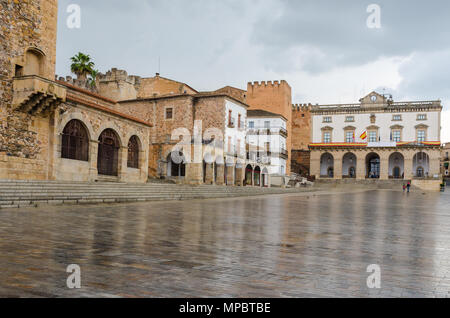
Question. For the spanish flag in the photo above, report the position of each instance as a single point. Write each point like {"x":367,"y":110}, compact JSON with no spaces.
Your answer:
{"x":364,"y":136}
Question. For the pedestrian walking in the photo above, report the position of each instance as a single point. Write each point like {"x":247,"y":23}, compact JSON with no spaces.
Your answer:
{"x":408,"y":186}
{"x":404,"y":188}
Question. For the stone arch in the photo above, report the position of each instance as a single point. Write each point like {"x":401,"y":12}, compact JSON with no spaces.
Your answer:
{"x":34,"y":62}
{"x":327,"y":165}
{"x":421,"y":165}
{"x":257,"y":176}
{"x":134,"y":149}
{"x":108,"y":152}
{"x":113,"y":126}
{"x":75,"y":141}
{"x":349,"y":165}
{"x":176,"y":164}
{"x":265,"y":178}
{"x":373,"y":166}
{"x":67,"y":117}
{"x":396,"y":166}
{"x":249,"y":175}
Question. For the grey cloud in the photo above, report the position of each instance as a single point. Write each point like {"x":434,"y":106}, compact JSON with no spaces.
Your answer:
{"x":338,"y":30}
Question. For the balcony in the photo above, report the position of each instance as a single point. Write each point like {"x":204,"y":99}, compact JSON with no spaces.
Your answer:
{"x":231,"y":123}
{"x":35,"y":95}
{"x":284,"y":153}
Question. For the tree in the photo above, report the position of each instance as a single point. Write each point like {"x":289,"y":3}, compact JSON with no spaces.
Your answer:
{"x":82,"y":66}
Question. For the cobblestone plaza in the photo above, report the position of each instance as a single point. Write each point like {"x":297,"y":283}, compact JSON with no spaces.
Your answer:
{"x":303,"y":245}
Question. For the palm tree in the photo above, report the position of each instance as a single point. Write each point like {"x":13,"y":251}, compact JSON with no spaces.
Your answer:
{"x":82,"y":66}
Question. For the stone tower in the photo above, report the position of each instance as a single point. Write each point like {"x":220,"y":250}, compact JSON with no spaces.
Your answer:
{"x":28,"y":35}
{"x":301,"y":138}
{"x":275,"y":97}
{"x":28,"y":47}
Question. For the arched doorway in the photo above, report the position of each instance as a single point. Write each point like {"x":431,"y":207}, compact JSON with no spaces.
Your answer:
{"x":257,"y":177}
{"x":421,"y":165}
{"x":248,"y":175}
{"x":349,"y":166}
{"x":373,"y":165}
{"x":396,"y":166}
{"x":176,"y":166}
{"x":75,"y":141}
{"x":327,"y":166}
{"x":108,"y":153}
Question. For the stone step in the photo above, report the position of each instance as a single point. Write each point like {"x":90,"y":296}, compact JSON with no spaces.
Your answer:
{"x":17,"y":194}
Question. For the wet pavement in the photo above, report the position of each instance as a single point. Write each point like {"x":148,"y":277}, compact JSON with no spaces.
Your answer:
{"x":307,"y":245}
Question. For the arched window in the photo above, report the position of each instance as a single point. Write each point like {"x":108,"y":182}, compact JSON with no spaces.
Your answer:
{"x":75,"y":141}
{"x":133,"y":153}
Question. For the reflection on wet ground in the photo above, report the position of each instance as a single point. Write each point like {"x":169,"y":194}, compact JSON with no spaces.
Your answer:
{"x":308,"y":245}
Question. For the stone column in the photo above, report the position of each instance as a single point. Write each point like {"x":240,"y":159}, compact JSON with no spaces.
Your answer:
{"x":239,"y":177}
{"x":435,"y":163}
{"x":143,"y":166}
{"x":194,"y":173}
{"x":408,"y":165}
{"x":384,"y":165}
{"x":315,"y":164}
{"x":230,"y":175}
{"x":93,"y":157}
{"x":220,"y":175}
{"x":123,"y":164}
{"x":338,"y":156}
{"x":209,"y":173}
{"x":360,"y":165}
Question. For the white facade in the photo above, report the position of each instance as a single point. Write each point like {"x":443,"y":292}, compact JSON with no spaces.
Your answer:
{"x":234,"y":138}
{"x":263,"y":132}
{"x":384,"y":121}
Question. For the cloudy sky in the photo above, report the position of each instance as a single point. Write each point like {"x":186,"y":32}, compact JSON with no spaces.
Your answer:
{"x":323,"y":48}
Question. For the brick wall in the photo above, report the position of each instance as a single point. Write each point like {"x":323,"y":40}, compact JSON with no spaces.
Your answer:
{"x":301,"y":127}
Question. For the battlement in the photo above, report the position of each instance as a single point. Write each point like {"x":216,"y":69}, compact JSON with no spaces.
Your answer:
{"x":267,"y":83}
{"x":83,"y":84}
{"x":116,"y":75}
{"x":302,"y":107}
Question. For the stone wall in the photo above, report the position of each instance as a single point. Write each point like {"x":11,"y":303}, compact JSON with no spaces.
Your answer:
{"x":301,"y":160}
{"x":160,"y":86}
{"x":301,"y":127}
{"x":24,"y":25}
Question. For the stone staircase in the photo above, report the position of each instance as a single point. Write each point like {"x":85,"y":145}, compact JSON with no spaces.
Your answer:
{"x":393,"y":184}
{"x":17,"y":194}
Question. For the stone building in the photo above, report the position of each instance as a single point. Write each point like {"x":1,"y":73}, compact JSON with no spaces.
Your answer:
{"x":55,"y":130}
{"x":207,"y":130}
{"x":378,"y":139}
{"x":301,"y":138}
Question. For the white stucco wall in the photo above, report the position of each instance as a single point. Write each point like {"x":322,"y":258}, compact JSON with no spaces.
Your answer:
{"x":235,"y":133}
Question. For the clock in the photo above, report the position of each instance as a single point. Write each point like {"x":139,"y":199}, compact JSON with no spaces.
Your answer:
{"x":373,"y":98}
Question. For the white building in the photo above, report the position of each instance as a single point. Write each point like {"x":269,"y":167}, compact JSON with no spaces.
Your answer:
{"x":267,"y":140}
{"x":377,"y":139}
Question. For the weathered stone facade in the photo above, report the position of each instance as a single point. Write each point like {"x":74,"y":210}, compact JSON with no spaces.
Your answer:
{"x":301,"y":138}
{"x":35,"y":109}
